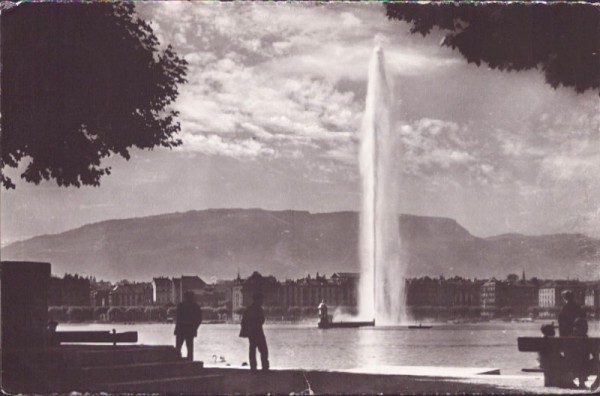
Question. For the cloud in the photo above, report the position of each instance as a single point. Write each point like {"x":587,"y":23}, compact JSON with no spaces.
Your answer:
{"x":335,"y":61}
{"x":581,"y":161}
{"x":271,"y":73}
{"x":217,"y":145}
{"x":554,"y":146}
{"x":433,"y":145}
{"x":230,"y":98}
{"x":288,"y":80}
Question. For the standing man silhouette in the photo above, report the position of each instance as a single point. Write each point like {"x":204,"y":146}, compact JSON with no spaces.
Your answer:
{"x":568,"y":314}
{"x":252,"y":328}
{"x":189,"y":317}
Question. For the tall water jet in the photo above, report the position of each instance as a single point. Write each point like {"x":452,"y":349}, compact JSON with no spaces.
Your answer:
{"x":381,"y":290}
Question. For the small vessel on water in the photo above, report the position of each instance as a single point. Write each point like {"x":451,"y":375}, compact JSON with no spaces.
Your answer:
{"x":420,"y":326}
{"x":344,"y":325}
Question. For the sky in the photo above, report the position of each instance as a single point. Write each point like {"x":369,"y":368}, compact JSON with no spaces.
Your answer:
{"x":271,"y":113}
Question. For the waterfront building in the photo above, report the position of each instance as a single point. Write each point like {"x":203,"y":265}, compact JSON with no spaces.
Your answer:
{"x":549,"y":294}
{"x":303,"y":295}
{"x":100,"y":292}
{"x":100,"y":298}
{"x":592,"y":298}
{"x":243,"y":290}
{"x":131,"y":294}
{"x":424,"y":291}
{"x":167,"y":291}
{"x":222,"y":290}
{"x":338,"y":291}
{"x":459,"y":292}
{"x":443,"y":297}
{"x":70,"y":290}
{"x":162,"y":290}
{"x":455,"y":291}
{"x":508,"y":298}
{"x":187,"y":284}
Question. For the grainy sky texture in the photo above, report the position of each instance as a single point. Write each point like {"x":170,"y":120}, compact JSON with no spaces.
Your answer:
{"x":270,"y":119}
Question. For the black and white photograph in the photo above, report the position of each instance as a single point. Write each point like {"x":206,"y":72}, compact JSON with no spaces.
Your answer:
{"x":299,"y":198}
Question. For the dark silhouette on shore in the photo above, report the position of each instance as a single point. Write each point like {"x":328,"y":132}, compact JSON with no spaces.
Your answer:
{"x":578,"y":361}
{"x":568,"y":314}
{"x":189,"y":318}
{"x":252,"y":328}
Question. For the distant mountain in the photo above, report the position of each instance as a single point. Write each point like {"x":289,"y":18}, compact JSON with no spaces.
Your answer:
{"x":220,"y":242}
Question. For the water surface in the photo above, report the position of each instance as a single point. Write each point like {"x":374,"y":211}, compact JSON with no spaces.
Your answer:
{"x":307,"y":347}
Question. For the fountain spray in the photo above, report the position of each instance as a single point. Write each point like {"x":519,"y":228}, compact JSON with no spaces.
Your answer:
{"x":381,"y":289}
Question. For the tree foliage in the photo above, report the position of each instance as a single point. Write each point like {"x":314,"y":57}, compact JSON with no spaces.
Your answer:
{"x":562,"y":40}
{"x":81,"y":82}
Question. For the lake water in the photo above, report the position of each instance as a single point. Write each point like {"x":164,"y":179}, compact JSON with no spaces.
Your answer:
{"x":305,"y":346}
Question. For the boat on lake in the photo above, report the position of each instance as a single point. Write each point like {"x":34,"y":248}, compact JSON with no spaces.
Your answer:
{"x":344,"y":325}
{"x":420,"y":326}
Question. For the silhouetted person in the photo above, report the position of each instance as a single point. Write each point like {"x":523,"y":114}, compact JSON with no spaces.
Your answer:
{"x":548,"y":330}
{"x":189,"y":317}
{"x":583,"y":360}
{"x":569,"y":312}
{"x":551,"y":360}
{"x":252,"y":328}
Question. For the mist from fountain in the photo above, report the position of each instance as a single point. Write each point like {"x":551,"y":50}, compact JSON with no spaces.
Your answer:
{"x":381,"y":288}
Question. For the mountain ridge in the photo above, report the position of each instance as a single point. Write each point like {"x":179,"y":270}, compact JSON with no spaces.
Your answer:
{"x":290,"y":243}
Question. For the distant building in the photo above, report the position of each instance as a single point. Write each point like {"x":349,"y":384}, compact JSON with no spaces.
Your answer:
{"x":70,"y":290}
{"x":425,"y":291}
{"x":244,"y":290}
{"x":131,"y":294}
{"x":338,"y":291}
{"x":508,"y":298}
{"x":222,"y":288}
{"x":162,"y":291}
{"x":549,"y":294}
{"x":592,"y":298}
{"x":520,"y":297}
{"x":100,"y":298}
{"x":459,"y":292}
{"x":488,"y":298}
{"x":100,"y":293}
{"x":171,"y":291}
{"x":441,"y":292}
{"x":186,"y":284}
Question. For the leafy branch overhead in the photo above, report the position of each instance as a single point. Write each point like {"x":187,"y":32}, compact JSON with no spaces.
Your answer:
{"x":562,"y":40}
{"x":81,"y":82}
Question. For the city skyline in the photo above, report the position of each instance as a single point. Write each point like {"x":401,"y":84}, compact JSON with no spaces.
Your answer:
{"x":270,"y":118}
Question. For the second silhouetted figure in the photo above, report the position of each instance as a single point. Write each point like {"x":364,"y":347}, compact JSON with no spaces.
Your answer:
{"x":189,"y":317}
{"x":252,"y":328}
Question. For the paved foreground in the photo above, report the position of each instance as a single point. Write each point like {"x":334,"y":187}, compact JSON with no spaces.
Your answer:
{"x":159,"y":369}
{"x":329,"y":382}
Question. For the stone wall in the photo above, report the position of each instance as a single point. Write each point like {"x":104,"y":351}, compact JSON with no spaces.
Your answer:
{"x":24,"y":303}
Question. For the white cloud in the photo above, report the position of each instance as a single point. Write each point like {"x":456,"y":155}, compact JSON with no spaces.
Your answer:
{"x":217,"y":145}
{"x":576,"y":163}
{"x":429,"y":144}
{"x":270,"y":73}
{"x":282,"y":80}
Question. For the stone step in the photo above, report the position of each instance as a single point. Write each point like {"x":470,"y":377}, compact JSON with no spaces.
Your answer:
{"x":138,"y":372}
{"x":121,"y":356}
{"x":199,"y":384}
